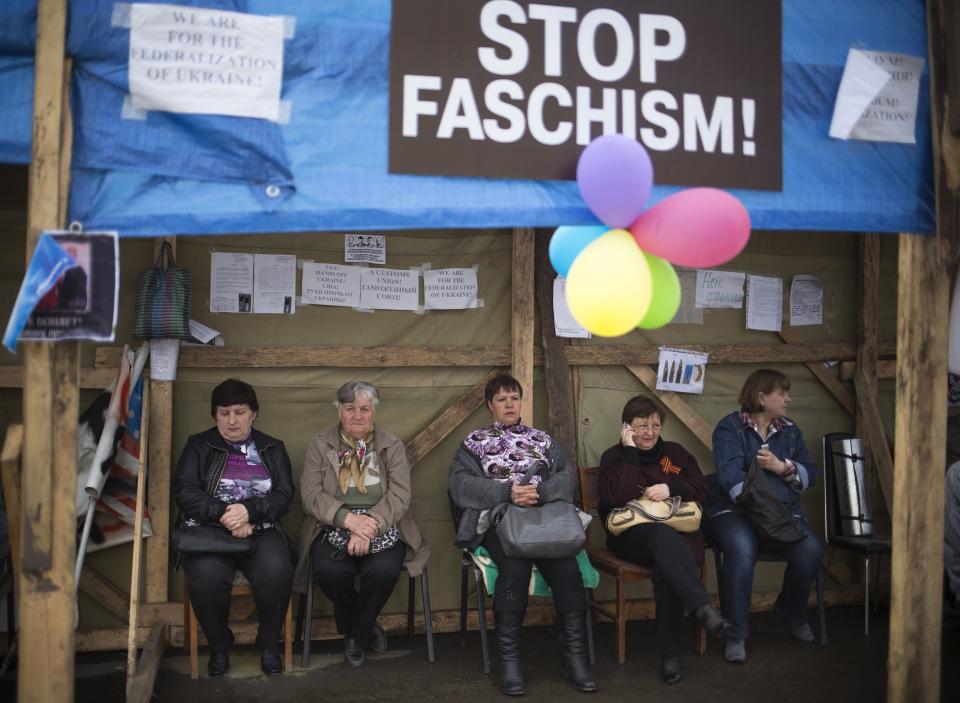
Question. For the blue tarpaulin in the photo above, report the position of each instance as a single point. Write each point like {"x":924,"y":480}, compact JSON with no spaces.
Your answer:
{"x":326,"y":169}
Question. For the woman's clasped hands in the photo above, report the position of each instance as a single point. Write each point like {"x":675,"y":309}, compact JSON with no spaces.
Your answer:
{"x":363,"y":528}
{"x":524,"y":496}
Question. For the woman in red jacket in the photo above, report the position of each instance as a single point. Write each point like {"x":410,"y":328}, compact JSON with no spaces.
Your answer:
{"x":643,"y":464}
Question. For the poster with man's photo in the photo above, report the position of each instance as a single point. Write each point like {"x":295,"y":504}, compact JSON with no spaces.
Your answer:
{"x":83,"y":302}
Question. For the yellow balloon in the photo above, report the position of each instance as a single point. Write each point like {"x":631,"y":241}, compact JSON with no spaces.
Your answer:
{"x":666,"y":293}
{"x":608,"y":285}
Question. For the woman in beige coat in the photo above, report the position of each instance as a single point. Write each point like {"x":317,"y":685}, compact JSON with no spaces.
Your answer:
{"x":355,"y":488}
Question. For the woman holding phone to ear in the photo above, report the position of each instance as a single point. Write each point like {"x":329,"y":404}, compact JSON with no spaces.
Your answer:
{"x":643,"y":464}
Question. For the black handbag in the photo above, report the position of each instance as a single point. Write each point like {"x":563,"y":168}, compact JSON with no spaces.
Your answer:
{"x":209,"y":539}
{"x":769,"y":517}
{"x":550,"y":531}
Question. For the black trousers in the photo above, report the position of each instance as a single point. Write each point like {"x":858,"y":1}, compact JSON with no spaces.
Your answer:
{"x":356,"y":611}
{"x":269,"y":571}
{"x":676,"y":582}
{"x":511,"y":590}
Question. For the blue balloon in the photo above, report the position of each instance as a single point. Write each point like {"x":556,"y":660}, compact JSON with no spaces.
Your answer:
{"x":567,"y":242}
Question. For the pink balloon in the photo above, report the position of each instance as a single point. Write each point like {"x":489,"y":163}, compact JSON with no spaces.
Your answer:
{"x":697,"y":227}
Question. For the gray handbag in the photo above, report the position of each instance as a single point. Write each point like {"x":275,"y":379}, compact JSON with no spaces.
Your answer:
{"x":550,"y":531}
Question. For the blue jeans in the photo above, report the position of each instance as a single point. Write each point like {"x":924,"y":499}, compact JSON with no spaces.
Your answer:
{"x":732,"y":534}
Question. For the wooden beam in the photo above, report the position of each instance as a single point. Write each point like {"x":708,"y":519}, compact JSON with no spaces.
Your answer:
{"x":521,"y":320}
{"x":875,"y":437}
{"x":10,"y":477}
{"x":448,"y":420}
{"x":676,"y":404}
{"x":333,"y":357}
{"x":324,"y":628}
{"x":577,"y":355}
{"x":886,"y":370}
{"x":619,"y":354}
{"x":12,"y":377}
{"x":45,"y":661}
{"x":107,"y":594}
{"x":556,"y":369}
{"x":868,"y":324}
{"x":159,"y":462}
{"x":913,"y":662}
{"x":141,"y":688}
{"x":827,"y":379}
{"x":135,"y":567}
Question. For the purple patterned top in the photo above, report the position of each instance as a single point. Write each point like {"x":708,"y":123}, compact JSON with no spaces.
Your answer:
{"x":244,"y":476}
{"x":507,"y":451}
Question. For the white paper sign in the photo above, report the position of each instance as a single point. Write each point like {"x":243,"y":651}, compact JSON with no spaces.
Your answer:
{"x":365,"y":249}
{"x":163,"y":359}
{"x":274,"y":283}
{"x":331,"y":284}
{"x":563,"y":320}
{"x":681,"y":371}
{"x":389,"y":289}
{"x":764,"y":303}
{"x":877,"y":98}
{"x":231,"y":282}
{"x":688,"y":313}
{"x":450,"y":289}
{"x":806,"y":301}
{"x":720,"y":289}
{"x":192,"y":60}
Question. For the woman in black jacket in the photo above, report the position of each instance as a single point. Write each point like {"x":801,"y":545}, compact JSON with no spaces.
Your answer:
{"x":239,"y":478}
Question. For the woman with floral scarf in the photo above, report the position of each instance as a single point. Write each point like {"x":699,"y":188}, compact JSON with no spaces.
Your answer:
{"x":487,"y":471}
{"x":356,"y":494}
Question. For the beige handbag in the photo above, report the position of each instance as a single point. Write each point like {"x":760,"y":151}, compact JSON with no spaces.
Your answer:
{"x":682,"y":516}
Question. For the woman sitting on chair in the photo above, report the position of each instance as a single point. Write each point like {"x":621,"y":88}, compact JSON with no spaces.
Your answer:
{"x":486,"y":472}
{"x":761,"y":429}
{"x":356,"y":494}
{"x":643,"y":464}
{"x":240,"y":478}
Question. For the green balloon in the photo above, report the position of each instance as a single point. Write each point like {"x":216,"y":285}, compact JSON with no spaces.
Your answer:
{"x":666,"y":293}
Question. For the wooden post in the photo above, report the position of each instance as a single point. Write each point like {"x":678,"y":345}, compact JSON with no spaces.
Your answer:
{"x":50,"y":412}
{"x":913,"y":662}
{"x":556,"y":369}
{"x":138,"y":546}
{"x":158,"y":480}
{"x":868,"y":335}
{"x":521,"y":325}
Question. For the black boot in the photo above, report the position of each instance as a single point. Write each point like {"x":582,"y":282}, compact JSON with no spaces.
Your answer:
{"x":507,"y":626}
{"x":573,"y":634}
{"x":711,"y":619}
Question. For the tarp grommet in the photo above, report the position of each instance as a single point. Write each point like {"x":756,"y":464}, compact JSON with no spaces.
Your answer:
{"x":272,"y":191}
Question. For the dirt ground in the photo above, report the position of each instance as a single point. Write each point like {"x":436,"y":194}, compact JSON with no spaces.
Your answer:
{"x":778,"y":670}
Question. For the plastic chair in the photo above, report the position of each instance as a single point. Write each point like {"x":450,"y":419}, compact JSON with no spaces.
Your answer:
{"x":769,"y":557}
{"x":305,"y":613}
{"x":867,"y":544}
{"x":466,"y":563}
{"x":623,"y":572}
{"x":240,"y":587}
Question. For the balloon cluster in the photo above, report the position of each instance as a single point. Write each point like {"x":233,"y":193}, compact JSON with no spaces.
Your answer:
{"x":619,"y":276}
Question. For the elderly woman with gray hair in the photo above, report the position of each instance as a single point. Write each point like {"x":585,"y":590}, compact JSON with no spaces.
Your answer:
{"x":355,"y":487}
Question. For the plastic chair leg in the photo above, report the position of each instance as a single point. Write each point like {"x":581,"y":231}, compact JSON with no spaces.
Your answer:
{"x":592,"y":658}
{"x":411,"y":595}
{"x":463,"y":604}
{"x":866,"y":594}
{"x":821,"y":609}
{"x":307,"y":621}
{"x":427,"y":616}
{"x":481,"y":615}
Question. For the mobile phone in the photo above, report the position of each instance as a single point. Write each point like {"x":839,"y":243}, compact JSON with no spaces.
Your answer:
{"x":765,"y":446}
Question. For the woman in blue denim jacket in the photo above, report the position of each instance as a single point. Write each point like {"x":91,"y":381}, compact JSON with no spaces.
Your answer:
{"x":761,"y":429}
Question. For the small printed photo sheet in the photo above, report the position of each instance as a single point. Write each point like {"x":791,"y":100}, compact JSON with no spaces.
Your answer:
{"x":681,"y":371}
